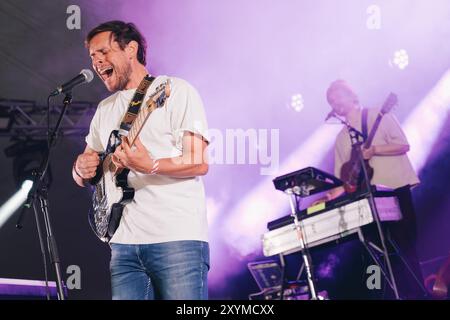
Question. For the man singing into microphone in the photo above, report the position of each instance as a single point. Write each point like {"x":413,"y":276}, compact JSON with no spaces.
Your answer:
{"x":160,"y":249}
{"x":392,"y":168}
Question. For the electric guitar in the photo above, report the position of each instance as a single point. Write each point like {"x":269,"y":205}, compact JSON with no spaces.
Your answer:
{"x":351,"y":171}
{"x":111,"y":190}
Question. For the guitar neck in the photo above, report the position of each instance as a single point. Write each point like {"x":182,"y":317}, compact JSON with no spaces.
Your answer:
{"x":138,"y":124}
{"x":156,"y":100}
{"x":390,"y":102}
{"x":373,"y":131}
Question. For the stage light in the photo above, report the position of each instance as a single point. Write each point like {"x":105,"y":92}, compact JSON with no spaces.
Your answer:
{"x":27,"y":184}
{"x":297,"y":102}
{"x":27,"y":156}
{"x":15,"y":202}
{"x":401,"y":59}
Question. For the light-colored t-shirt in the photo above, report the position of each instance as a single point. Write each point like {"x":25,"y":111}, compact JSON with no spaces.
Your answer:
{"x":390,"y":171}
{"x":164,"y":208}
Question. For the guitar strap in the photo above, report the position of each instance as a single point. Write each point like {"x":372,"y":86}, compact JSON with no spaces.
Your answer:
{"x":364,"y":115}
{"x":135,"y":104}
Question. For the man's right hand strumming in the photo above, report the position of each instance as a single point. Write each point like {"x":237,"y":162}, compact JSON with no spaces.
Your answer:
{"x":85,"y":166}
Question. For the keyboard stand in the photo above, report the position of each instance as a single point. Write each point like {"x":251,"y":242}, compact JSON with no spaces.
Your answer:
{"x":303,"y":248}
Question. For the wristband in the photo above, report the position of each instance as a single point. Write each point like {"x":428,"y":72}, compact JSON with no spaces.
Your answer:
{"x":155,"y":167}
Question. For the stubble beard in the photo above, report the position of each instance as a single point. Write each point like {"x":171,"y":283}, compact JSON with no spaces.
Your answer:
{"x":123,"y":77}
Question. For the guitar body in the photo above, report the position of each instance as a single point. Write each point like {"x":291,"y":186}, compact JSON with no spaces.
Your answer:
{"x":110,"y":184}
{"x":352,"y":174}
{"x":111,"y":193}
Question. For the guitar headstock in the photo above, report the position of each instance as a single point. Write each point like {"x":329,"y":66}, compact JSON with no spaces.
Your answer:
{"x":390,"y":102}
{"x":158,"y":98}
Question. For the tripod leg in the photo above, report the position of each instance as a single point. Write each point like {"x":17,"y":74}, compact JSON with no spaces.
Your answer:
{"x":300,"y":272}
{"x":53,"y":250}
{"x":368,"y":246}
{"x":309,"y":274}
{"x":42,"y":246}
{"x":379,"y":264}
{"x":398,"y":252}
{"x":283,"y":275}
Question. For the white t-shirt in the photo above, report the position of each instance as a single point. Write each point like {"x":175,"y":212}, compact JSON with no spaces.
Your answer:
{"x":391,"y":171}
{"x":164,"y":208}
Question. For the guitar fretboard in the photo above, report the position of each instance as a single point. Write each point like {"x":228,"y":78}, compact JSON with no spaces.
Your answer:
{"x":154,"y":101}
{"x":387,"y":106}
{"x":136,"y":128}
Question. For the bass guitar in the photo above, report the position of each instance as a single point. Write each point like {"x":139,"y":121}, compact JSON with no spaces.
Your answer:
{"x":351,"y":171}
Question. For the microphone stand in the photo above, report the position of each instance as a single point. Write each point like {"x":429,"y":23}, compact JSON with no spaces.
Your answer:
{"x":357,"y":140}
{"x":39,"y":194}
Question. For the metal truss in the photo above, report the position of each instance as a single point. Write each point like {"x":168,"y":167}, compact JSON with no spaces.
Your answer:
{"x":29,"y":120}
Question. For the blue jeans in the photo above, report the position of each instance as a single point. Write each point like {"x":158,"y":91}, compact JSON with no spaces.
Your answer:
{"x":171,"y":271}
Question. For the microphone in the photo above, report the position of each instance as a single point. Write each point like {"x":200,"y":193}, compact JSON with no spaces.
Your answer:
{"x":330,"y":115}
{"x":85,"y":75}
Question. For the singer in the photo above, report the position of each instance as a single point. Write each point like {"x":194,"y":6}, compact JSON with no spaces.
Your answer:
{"x":160,"y":249}
{"x":392,"y":168}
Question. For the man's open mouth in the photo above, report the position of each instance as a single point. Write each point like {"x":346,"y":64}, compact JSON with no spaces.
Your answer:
{"x":105,"y":72}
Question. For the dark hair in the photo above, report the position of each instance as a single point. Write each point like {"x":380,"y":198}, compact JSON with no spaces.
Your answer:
{"x":123,"y":33}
